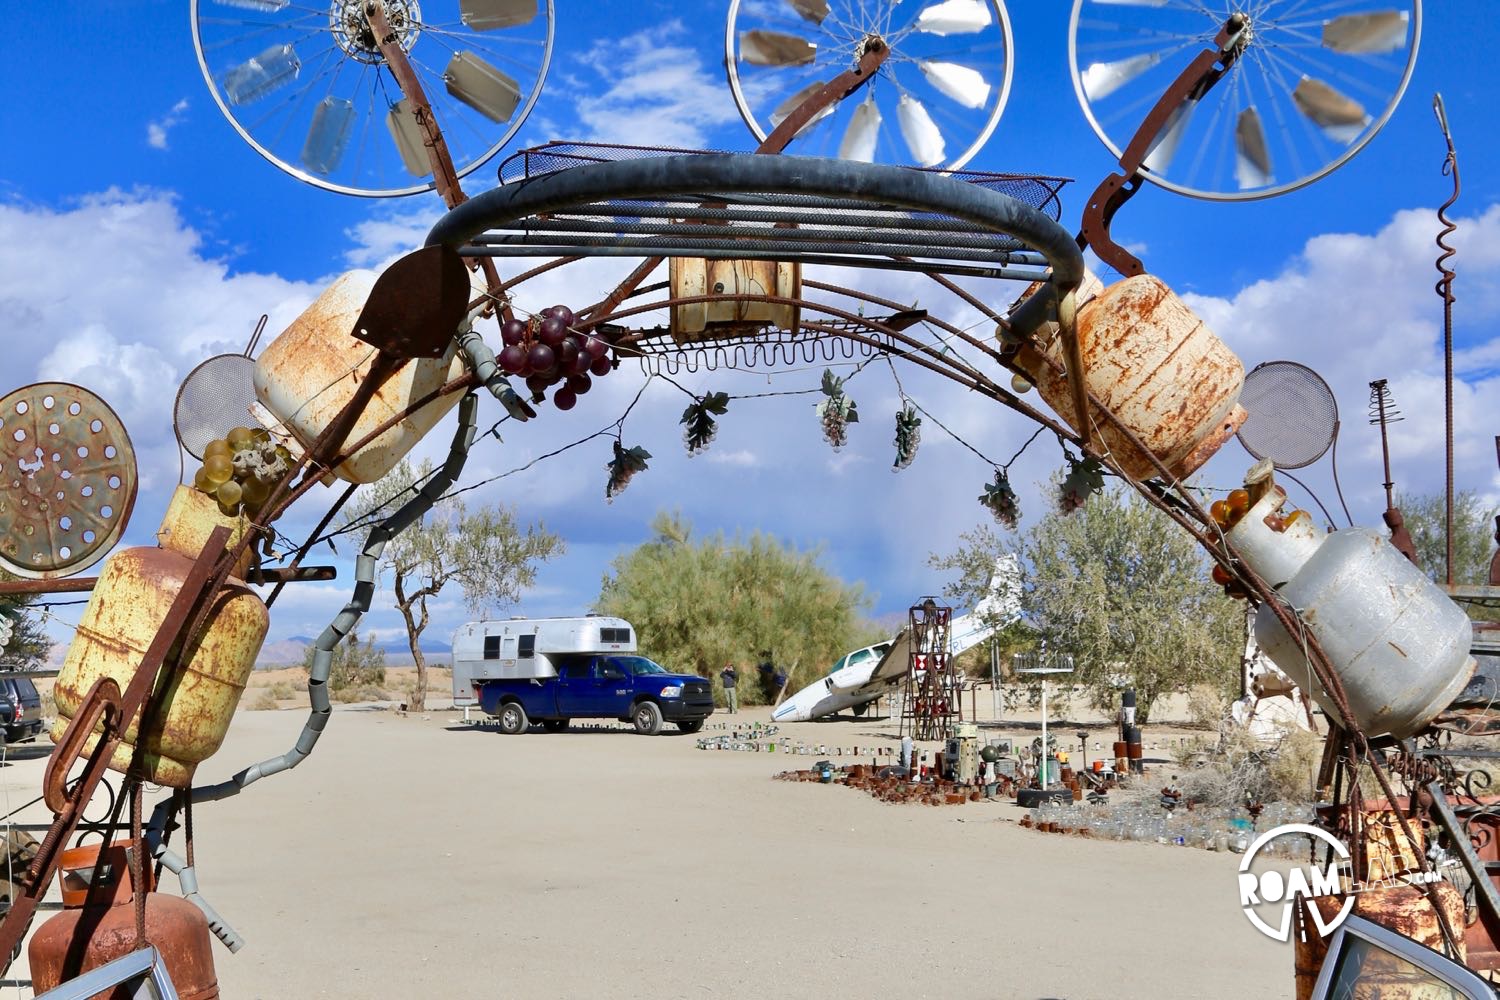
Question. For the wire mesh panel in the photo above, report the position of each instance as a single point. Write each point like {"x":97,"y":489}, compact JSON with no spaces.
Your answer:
{"x":1293,"y":415}
{"x":214,"y":399}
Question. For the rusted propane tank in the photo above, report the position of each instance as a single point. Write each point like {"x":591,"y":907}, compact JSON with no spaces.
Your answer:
{"x":312,"y":370}
{"x":97,"y":926}
{"x":1156,"y":366}
{"x":694,"y":321}
{"x":125,"y":610}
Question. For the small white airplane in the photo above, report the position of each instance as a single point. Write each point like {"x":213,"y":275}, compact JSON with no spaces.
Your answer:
{"x":865,"y":675}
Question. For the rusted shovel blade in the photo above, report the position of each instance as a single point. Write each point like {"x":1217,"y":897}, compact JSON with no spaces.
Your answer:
{"x":416,"y":305}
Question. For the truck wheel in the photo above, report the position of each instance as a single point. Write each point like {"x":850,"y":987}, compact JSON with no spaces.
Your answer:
{"x":554,"y":725}
{"x":647,"y":717}
{"x":513,"y":718}
{"x":691,"y":727}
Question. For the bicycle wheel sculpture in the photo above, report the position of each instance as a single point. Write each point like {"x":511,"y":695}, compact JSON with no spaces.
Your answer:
{"x":934,"y":102}
{"x":1311,"y":86}
{"x":307,"y":87}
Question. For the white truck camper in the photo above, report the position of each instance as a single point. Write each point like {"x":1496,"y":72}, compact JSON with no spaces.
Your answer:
{"x":521,"y":648}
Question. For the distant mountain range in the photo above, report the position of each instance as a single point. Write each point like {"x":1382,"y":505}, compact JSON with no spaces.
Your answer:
{"x":290,"y":650}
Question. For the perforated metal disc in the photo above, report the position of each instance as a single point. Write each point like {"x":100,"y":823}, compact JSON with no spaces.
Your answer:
{"x":214,"y":399}
{"x":67,"y":480}
{"x":1293,"y":415}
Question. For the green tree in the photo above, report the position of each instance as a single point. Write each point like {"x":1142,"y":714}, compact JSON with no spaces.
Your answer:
{"x":1122,"y":588}
{"x":698,"y":604}
{"x":1473,"y":534}
{"x":485,"y":551}
{"x":28,"y":644}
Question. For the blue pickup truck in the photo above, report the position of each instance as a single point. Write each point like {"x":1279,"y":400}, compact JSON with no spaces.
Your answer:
{"x":553,"y":670}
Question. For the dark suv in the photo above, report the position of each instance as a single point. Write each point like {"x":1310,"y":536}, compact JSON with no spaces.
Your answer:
{"x":20,"y":709}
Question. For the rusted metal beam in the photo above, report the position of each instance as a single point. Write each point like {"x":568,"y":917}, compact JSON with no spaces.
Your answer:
{"x":68,"y":585}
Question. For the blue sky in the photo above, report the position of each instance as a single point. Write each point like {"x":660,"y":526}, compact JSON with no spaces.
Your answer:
{"x":139,"y":235}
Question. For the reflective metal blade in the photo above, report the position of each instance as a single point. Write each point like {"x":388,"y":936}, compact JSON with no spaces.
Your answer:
{"x":860,"y":136}
{"x":1340,"y":117}
{"x":966,"y":86}
{"x":328,"y":136}
{"x":920,"y":132}
{"x":269,"y":71}
{"x":954,"y":17}
{"x":1165,"y":147}
{"x":1252,"y":161}
{"x":772,"y":48}
{"x":482,"y":87}
{"x":786,"y":107}
{"x":1104,"y":78}
{"x":1382,"y":31}
{"x":492,"y":15}
{"x":813,"y":10}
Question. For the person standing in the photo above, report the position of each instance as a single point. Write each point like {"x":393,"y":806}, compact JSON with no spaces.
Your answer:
{"x":730,"y":677}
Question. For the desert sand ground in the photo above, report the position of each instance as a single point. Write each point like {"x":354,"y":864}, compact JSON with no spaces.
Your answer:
{"x":418,"y":855}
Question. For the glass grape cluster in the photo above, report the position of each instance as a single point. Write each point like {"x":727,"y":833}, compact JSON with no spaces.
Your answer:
{"x":240,"y":468}
{"x":546,"y":351}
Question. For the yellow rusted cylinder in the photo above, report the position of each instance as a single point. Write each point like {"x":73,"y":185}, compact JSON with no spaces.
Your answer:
{"x":127,"y":607}
{"x":310,"y":372}
{"x":693,"y":276}
{"x":1157,"y":367}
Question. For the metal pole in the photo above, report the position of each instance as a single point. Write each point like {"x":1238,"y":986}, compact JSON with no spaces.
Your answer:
{"x":995,"y":698}
{"x":1044,"y":733}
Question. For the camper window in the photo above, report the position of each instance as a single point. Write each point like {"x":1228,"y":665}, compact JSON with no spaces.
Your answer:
{"x":614,"y":635}
{"x":492,"y":647}
{"x":527,"y":646}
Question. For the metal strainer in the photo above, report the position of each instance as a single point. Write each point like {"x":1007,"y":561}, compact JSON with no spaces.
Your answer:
{"x":215,"y":398}
{"x":1293,"y":415}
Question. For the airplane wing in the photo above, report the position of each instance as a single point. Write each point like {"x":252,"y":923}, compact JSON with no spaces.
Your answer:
{"x":895,"y":662}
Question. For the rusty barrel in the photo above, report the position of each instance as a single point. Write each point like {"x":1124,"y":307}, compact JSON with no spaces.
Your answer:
{"x":128,"y":606}
{"x":1156,"y":366}
{"x":98,"y":926}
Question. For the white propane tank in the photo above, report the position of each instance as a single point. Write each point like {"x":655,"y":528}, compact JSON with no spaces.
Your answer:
{"x":306,"y":376}
{"x":1397,"y":642}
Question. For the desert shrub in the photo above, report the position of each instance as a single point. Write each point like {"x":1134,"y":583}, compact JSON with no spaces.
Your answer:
{"x":282,"y":690}
{"x":263,"y":701}
{"x":350,"y":693}
{"x":1237,"y":768}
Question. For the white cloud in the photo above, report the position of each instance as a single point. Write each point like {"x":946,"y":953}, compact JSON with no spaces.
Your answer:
{"x":156,"y":132}
{"x":655,"y":89}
